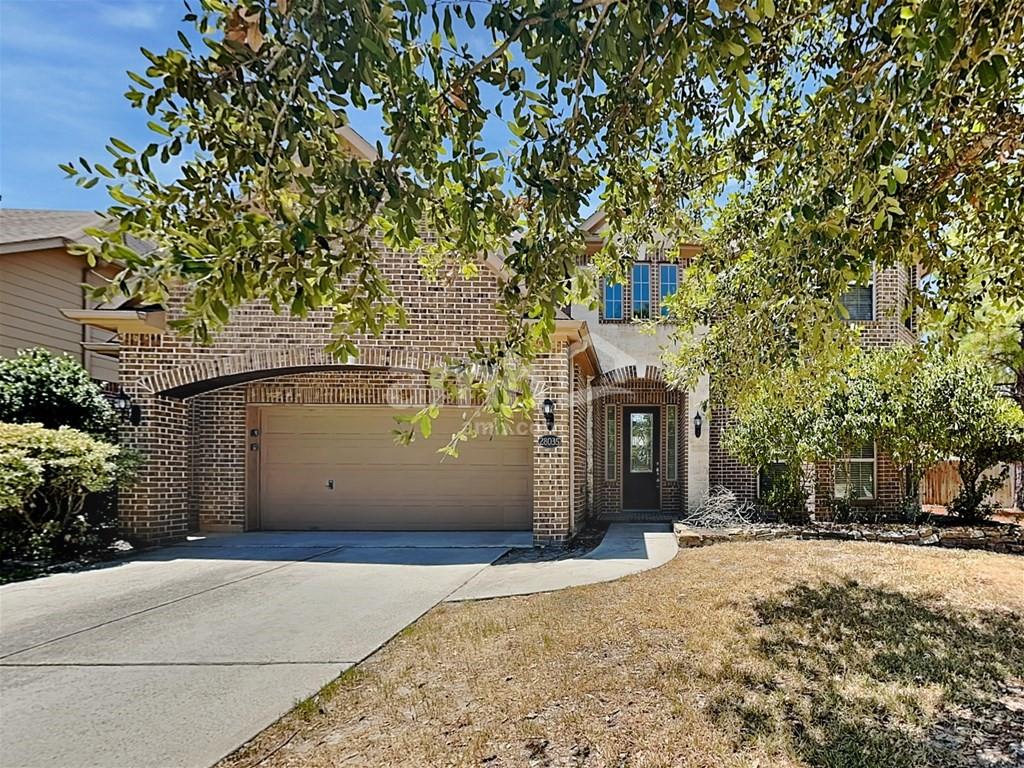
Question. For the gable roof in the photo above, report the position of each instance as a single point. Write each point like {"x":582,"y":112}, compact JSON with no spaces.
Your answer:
{"x":23,"y":229}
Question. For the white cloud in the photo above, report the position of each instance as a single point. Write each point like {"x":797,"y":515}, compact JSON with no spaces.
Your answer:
{"x":125,"y":15}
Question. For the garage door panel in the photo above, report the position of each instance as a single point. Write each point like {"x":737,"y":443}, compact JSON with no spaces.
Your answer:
{"x":381,"y":485}
{"x":490,"y":489}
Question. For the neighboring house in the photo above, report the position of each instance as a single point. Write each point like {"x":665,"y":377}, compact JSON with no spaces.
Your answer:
{"x":39,"y":278}
{"x":262,"y":430}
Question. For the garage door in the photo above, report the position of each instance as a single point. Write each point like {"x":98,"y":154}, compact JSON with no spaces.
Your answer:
{"x":338,"y":468}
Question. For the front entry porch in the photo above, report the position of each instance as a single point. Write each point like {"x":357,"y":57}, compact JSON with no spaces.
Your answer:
{"x":639,"y":448}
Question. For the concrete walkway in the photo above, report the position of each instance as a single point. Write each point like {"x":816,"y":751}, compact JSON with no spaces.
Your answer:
{"x":178,"y":656}
{"x":626,"y":548}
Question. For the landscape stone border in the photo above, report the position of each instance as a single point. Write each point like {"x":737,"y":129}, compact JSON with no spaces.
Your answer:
{"x":1007,"y":539}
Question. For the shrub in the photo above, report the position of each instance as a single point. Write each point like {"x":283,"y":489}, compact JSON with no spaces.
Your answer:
{"x":977,"y":423}
{"x":46,"y":477}
{"x":785,"y":498}
{"x":39,"y":387}
{"x":916,"y":408}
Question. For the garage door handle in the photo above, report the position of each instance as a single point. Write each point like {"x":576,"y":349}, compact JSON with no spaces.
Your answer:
{"x":330,"y":484}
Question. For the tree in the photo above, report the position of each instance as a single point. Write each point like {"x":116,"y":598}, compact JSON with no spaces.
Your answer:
{"x":39,"y":387}
{"x":993,"y":332}
{"x":46,"y":478}
{"x":918,"y":409}
{"x":976,"y":423}
{"x":813,"y":139}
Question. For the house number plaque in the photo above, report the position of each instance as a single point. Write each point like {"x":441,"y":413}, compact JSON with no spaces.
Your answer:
{"x":549,"y":441}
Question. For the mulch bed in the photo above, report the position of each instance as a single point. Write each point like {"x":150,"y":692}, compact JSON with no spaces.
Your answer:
{"x":583,"y":542}
{"x":23,"y":570}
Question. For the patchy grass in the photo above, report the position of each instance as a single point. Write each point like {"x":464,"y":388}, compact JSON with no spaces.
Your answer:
{"x":783,"y":653}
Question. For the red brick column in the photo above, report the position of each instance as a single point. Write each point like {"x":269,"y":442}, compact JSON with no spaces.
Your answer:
{"x":552,"y":467}
{"x":154,"y":509}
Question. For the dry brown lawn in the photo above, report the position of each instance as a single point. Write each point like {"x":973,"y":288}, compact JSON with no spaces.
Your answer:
{"x":783,"y":653}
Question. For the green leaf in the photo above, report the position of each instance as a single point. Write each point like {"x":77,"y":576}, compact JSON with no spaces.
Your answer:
{"x":157,"y":128}
{"x":124,"y":147}
{"x":141,"y":80}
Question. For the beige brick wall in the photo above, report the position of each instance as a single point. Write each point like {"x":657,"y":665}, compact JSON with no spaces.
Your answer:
{"x":194,"y":442}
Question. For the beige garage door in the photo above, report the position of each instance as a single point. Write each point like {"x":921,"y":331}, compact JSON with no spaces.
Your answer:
{"x":338,"y":468}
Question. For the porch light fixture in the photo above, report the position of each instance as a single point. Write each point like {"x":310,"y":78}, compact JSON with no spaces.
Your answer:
{"x":549,"y":413}
{"x":125,"y":408}
{"x":698,"y":422}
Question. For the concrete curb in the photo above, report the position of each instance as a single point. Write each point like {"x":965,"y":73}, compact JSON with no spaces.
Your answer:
{"x":627,"y":548}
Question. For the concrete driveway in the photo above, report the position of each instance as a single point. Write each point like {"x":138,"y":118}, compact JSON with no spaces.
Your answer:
{"x":178,"y":656}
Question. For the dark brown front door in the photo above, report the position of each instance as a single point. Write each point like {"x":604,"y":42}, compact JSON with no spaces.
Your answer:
{"x":641,"y":449}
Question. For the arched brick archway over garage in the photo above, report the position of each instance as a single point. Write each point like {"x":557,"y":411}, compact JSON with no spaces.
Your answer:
{"x":217,"y":371}
{"x":193,"y":433}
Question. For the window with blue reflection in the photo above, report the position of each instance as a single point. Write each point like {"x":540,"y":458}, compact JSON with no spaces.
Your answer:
{"x":669,"y":283}
{"x":641,"y":291}
{"x":612,"y":301}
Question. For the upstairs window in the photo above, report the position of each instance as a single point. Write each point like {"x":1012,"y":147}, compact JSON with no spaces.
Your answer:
{"x":908,"y":301}
{"x":859,"y":301}
{"x":642,"y":291}
{"x":612,"y":301}
{"x":855,"y":476}
{"x":669,"y":274}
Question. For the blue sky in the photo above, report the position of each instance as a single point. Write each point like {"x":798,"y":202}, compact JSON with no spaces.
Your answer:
{"x":62,"y":80}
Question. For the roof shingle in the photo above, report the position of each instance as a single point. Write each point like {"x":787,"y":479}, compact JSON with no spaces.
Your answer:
{"x":21,"y":225}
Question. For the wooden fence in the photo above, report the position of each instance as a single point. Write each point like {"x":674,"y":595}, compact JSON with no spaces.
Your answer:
{"x":942,"y":482}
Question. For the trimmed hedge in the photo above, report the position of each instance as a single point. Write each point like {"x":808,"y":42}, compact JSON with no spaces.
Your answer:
{"x":46,"y":478}
{"x":39,"y":387}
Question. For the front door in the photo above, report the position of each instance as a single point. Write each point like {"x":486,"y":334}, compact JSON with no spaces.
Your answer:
{"x":641,"y":450}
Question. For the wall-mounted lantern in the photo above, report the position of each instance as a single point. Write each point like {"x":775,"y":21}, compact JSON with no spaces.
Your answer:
{"x":698,"y":423}
{"x":549,"y":413}
{"x":125,"y":408}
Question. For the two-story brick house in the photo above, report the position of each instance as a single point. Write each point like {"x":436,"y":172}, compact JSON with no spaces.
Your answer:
{"x":262,"y":430}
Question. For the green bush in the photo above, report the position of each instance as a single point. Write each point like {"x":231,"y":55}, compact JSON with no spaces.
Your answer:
{"x":46,"y":478}
{"x":784,"y":501}
{"x":39,"y":387}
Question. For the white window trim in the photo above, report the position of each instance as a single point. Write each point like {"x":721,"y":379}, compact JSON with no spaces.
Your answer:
{"x":874,"y":475}
{"x":874,"y":298}
{"x":610,"y":454}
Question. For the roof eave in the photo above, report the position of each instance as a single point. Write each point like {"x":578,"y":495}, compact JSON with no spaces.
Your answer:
{"x":121,"y":321}
{"x":41,"y":244}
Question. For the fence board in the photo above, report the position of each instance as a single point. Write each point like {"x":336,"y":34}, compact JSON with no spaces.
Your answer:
{"x":942,"y":482}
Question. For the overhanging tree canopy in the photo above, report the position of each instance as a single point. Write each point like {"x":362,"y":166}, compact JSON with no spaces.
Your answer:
{"x":803,"y":142}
